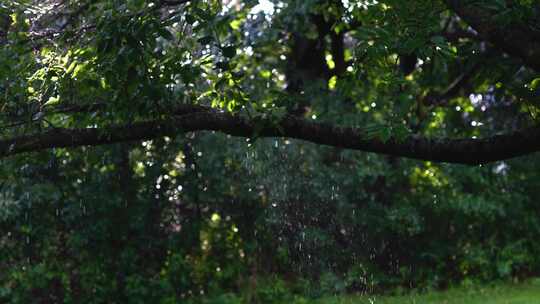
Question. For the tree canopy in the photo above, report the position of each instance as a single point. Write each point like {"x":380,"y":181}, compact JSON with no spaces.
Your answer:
{"x":451,"y":81}
{"x":204,"y":151}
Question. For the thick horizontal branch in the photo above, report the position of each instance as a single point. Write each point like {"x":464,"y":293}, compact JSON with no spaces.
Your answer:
{"x":463,"y":151}
{"x":516,"y":39}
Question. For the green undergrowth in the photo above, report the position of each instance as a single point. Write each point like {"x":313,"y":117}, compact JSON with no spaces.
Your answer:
{"x":524,"y":293}
{"x":508,"y":293}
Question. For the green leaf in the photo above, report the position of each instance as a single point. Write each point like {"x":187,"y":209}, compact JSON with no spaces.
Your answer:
{"x":385,"y":134}
{"x":202,"y":14}
{"x":221,"y":83}
{"x":165,"y":33}
{"x":71,"y":67}
{"x":238,"y":75}
{"x":229,"y":51}
{"x":205,"y":39}
{"x":52,"y":100}
{"x":224,"y":65}
{"x":438,"y":40}
{"x":535,"y":84}
{"x":190,"y":19}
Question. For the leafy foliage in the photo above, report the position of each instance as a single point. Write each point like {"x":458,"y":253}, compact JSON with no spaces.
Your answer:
{"x":207,"y":217}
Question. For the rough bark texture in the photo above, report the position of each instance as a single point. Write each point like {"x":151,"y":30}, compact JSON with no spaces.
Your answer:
{"x":193,"y":118}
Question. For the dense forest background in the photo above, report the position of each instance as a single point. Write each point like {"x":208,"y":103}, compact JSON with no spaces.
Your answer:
{"x":165,"y":151}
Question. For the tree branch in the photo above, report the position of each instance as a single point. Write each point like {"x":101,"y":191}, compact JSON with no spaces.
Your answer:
{"x":516,"y":39}
{"x":453,"y":90}
{"x":194,"y":118}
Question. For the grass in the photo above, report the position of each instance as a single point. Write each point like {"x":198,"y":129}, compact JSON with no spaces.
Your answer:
{"x":524,"y":293}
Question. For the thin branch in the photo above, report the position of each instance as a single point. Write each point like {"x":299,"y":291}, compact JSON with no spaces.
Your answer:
{"x":453,"y":90}
{"x":457,"y":34}
{"x":516,"y":38}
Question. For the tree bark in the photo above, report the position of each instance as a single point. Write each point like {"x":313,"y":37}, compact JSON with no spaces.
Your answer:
{"x":194,"y":118}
